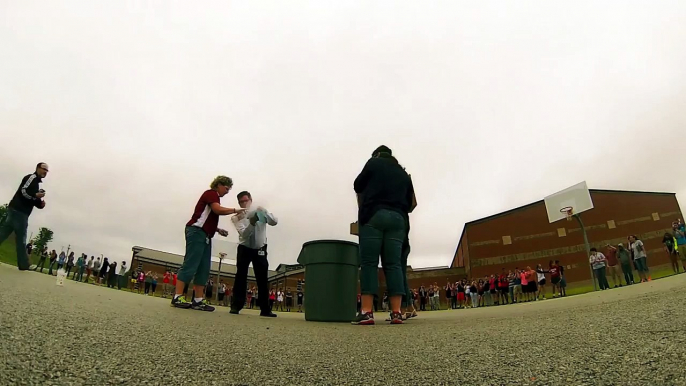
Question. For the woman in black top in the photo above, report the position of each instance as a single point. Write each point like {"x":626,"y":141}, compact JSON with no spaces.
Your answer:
{"x":103,"y":270}
{"x":384,"y":194}
{"x":70,"y":263}
{"x":112,"y":275}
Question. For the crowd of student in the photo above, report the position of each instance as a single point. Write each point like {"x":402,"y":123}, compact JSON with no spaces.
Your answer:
{"x":80,"y":268}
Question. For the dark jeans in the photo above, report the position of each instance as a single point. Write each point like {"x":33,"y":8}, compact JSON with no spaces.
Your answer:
{"x":453,"y":302}
{"x":260,"y":265}
{"x":602,"y":278}
{"x":408,"y":297}
{"x":16,"y":222}
{"x":68,"y":270}
{"x":385,"y":232}
{"x":41,"y":264}
{"x":79,"y":277}
{"x":52,"y":264}
{"x":628,"y":273}
{"x":422,"y":304}
{"x":120,"y":281}
{"x":147,"y":287}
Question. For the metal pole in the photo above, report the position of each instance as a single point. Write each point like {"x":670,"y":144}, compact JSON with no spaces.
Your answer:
{"x":588,"y":249}
{"x":221,"y":258}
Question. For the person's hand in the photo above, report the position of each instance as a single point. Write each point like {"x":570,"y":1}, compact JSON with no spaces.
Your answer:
{"x":239,"y":210}
{"x":223,"y":232}
{"x":41,"y":204}
{"x":40,"y":194}
{"x":253,"y":219}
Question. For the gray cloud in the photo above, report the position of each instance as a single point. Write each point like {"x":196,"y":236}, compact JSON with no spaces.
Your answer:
{"x":137,"y":108}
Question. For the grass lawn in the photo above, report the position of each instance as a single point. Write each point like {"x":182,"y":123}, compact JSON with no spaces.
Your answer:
{"x":8,"y":253}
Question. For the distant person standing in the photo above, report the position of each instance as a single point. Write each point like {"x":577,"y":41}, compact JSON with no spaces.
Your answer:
{"x":28,"y":195}
{"x":53,"y":261}
{"x":80,"y":267}
{"x":385,"y":198}
{"x":301,"y":296}
{"x":61,"y":259}
{"x":70,"y":263}
{"x":598,"y":263}
{"x":613,"y":265}
{"x":96,"y":269}
{"x":89,"y":268}
{"x":112,"y":275}
{"x":252,"y":248}
{"x":103,"y":271}
{"x":625,"y":260}
{"x":41,"y":261}
{"x":669,"y":241}
{"x":199,"y":233}
{"x":121,"y":277}
{"x":640,"y":257}
{"x":680,"y":235}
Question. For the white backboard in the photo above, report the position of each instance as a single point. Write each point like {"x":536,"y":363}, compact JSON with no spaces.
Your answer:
{"x":576,"y":196}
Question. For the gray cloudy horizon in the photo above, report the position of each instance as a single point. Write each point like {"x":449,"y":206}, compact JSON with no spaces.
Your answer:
{"x":137,"y":107}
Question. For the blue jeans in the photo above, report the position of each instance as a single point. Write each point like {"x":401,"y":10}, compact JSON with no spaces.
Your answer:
{"x":385,"y":231}
{"x":16,"y":222}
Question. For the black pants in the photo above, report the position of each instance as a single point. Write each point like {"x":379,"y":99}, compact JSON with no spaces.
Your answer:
{"x":260,"y":266}
{"x":41,"y":264}
{"x":602,"y":278}
{"x":147,"y":287}
{"x":422,"y":304}
{"x":453,"y":300}
{"x":68,"y":270}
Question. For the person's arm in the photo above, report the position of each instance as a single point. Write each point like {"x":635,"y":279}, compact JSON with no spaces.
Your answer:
{"x":29,"y":188}
{"x":222,"y":211}
{"x":271,"y":219}
{"x":611,"y":247}
{"x":363,"y":178}
{"x":411,"y":197}
{"x":243,"y":226}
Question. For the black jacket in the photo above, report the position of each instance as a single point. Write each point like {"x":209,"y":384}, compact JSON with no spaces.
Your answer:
{"x":383,"y":184}
{"x":25,"y":198}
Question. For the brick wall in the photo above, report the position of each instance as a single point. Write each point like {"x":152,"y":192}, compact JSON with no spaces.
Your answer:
{"x":525,"y":238}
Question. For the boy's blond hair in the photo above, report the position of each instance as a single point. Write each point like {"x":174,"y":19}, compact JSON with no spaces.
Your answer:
{"x":223,"y":180}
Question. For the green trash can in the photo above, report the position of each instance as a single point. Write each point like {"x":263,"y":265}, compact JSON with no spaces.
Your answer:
{"x":331,"y":271}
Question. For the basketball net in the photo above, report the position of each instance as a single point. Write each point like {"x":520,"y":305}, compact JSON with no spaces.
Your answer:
{"x":569,"y":212}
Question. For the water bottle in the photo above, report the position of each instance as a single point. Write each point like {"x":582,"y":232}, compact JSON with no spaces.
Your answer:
{"x":261,"y":216}
{"x":61,"y":275}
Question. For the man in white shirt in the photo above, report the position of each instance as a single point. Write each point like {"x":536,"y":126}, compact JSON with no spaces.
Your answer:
{"x":252,"y":248}
{"x":598,"y":263}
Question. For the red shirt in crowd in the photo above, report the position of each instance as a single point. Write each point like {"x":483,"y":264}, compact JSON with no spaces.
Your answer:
{"x":203,"y":216}
{"x":174,"y":280}
{"x":554,"y":271}
{"x":611,"y":257}
{"x":166,"y":278}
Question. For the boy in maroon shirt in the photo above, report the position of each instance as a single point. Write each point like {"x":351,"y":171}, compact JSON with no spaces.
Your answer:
{"x":199,"y":232}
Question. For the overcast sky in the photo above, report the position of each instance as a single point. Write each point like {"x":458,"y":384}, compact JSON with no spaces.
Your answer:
{"x":489,"y":105}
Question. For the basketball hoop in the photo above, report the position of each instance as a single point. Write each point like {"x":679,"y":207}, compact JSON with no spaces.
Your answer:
{"x":568,"y":211}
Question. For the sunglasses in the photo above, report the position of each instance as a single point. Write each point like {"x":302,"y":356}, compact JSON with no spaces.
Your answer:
{"x":46,"y":170}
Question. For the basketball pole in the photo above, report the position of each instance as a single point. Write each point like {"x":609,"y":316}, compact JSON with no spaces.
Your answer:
{"x":588,"y":249}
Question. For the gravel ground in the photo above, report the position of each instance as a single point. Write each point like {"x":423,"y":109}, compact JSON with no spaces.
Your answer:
{"x":82,"y":334}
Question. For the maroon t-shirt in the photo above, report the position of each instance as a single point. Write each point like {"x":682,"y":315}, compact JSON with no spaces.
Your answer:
{"x":611,"y":256}
{"x":203,"y":216}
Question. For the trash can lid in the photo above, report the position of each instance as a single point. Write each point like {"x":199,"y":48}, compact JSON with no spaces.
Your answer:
{"x":339,"y":252}
{"x":330,"y":242}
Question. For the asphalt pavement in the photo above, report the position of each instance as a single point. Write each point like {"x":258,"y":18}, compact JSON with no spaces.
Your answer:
{"x":81,"y":334}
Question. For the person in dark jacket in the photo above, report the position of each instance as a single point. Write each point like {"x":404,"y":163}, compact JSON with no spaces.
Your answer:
{"x":385,"y":195}
{"x":29,"y":195}
{"x":112,"y":275}
{"x":102,"y":277}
